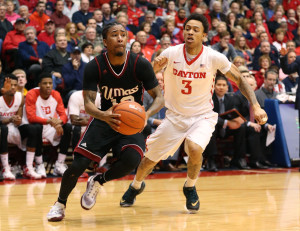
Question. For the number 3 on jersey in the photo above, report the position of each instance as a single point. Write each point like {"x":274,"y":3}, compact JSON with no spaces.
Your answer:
{"x":187,"y":87}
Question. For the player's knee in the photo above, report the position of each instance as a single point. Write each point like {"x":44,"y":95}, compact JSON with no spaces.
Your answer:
{"x":67,"y":128}
{"x":4,"y":130}
{"x":131,"y":158}
{"x":193,"y":150}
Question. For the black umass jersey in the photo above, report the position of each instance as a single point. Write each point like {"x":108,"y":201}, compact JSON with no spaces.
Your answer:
{"x":119,"y":83}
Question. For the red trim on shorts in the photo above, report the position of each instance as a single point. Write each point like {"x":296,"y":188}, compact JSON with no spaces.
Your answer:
{"x":84,"y":152}
{"x":135,"y":147}
{"x":194,"y":59}
{"x":87,"y":154}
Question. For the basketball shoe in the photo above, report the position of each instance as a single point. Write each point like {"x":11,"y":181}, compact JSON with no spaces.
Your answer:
{"x":29,"y":172}
{"x":128,"y":198}
{"x":40,"y":169}
{"x":59,"y":168}
{"x":57,"y":212}
{"x":192,"y":199}
{"x":7,"y":174}
{"x":88,"y":199}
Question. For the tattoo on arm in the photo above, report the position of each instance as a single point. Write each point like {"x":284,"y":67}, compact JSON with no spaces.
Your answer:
{"x":89,"y":96}
{"x":243,"y":85}
{"x":157,"y":102}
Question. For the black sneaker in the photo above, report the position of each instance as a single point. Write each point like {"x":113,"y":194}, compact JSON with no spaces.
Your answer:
{"x":192,"y":199}
{"x":129,"y":196}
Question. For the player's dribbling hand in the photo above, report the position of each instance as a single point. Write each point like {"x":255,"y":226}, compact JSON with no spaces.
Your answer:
{"x":112,"y":119}
{"x":260,"y":115}
{"x":159,"y":63}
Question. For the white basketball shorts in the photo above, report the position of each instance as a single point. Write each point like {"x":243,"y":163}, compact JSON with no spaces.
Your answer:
{"x":174,"y":129}
{"x":50,"y":135}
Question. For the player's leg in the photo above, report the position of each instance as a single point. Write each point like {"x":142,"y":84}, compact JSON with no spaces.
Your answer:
{"x":197,"y":139}
{"x":60,"y":166}
{"x":129,"y":151}
{"x":6,"y":172}
{"x":69,"y":181}
{"x":33,"y":133}
{"x":160,"y":145}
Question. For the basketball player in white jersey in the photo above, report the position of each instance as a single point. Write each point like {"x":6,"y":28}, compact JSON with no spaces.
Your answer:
{"x":189,"y":82}
{"x":13,"y":131}
{"x":78,"y":116}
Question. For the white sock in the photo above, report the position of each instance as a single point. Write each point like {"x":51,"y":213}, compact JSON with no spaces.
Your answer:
{"x":4,"y":160}
{"x":29,"y":159}
{"x":61,"y":158}
{"x":39,"y":159}
{"x":136,"y":184}
{"x":190,"y":182}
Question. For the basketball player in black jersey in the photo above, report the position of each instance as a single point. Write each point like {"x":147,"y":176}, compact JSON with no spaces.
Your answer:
{"x":119,"y":75}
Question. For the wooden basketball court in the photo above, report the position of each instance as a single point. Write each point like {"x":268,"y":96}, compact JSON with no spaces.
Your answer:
{"x":230,"y":200}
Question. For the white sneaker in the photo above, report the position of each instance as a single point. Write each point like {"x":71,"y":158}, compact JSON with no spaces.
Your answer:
{"x":59,"y":168}
{"x":88,"y":199}
{"x":7,"y":174}
{"x":57,"y":212}
{"x":40,"y":169}
{"x":29,"y":172}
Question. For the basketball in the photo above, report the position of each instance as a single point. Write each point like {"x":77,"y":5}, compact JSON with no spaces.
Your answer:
{"x":133,"y":117}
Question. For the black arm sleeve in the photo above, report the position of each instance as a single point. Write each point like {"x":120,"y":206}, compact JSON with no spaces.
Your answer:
{"x":91,"y":76}
{"x":145,"y":73}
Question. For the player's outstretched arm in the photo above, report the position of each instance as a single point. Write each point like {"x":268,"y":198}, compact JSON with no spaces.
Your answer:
{"x":158,"y":101}
{"x":159,"y":63}
{"x":107,"y":116}
{"x":235,"y":75}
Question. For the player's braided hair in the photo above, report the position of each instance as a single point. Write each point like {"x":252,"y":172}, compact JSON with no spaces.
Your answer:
{"x":107,"y":27}
{"x":198,"y":17}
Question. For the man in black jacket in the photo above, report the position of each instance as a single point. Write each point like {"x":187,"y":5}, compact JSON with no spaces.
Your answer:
{"x":224,"y":102}
{"x":54,"y":60}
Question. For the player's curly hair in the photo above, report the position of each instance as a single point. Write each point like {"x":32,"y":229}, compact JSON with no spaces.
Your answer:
{"x":108,"y":26}
{"x":198,"y":17}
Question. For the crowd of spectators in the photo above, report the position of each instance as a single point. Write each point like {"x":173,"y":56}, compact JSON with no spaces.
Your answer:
{"x":58,"y":37}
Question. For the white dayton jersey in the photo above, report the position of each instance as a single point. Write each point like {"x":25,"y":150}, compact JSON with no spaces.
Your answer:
{"x":7,"y":111}
{"x":189,"y":85}
{"x":76,"y":105}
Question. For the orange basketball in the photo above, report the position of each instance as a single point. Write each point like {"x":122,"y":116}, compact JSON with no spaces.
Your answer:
{"x":132,"y":118}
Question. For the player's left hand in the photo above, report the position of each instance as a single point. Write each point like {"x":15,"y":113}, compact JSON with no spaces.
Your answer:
{"x":59,"y":130}
{"x":17,"y":120}
{"x":260,"y":115}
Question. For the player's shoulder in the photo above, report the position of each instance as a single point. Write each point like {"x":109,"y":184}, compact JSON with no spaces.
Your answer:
{"x":55,"y":94}
{"x":176,"y":48}
{"x":33,"y":93}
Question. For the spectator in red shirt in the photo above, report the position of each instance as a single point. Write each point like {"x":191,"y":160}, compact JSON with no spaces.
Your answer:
{"x":292,"y":21}
{"x":134,"y":14}
{"x":180,"y":18}
{"x":290,"y":4}
{"x":151,"y":40}
{"x":59,"y":19}
{"x":48,"y":35}
{"x":141,"y":36}
{"x":220,"y":28}
{"x":11,"y":43}
{"x":31,"y":4}
{"x":24,"y":13}
{"x":39,"y":15}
